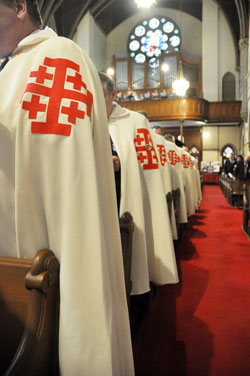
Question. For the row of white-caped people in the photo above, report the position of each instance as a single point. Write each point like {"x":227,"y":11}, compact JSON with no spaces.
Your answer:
{"x":149,"y":168}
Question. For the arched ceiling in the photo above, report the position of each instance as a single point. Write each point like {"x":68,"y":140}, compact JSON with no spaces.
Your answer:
{"x":110,"y":13}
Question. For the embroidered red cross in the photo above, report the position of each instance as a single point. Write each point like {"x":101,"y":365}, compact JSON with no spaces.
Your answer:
{"x":41,"y":75}
{"x":73,"y":112}
{"x":163,"y":154}
{"x":34,"y":106}
{"x":145,"y":150}
{"x":77,"y":81}
{"x":55,"y":95}
{"x":173,"y":157}
{"x":190,"y":162}
{"x":184,"y":161}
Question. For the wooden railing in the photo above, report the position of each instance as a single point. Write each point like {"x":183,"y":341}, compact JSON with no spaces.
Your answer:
{"x":233,"y":190}
{"x":187,"y":109}
{"x":224,"y":111}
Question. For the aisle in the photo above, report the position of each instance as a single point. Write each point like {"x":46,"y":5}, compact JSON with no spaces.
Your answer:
{"x":201,"y":327}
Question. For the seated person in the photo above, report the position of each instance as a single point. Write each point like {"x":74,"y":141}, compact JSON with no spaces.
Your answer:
{"x":247,"y":167}
{"x":229,"y":166}
{"x":239,"y":168}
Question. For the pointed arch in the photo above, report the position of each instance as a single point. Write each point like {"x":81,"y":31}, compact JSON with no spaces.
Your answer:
{"x":228,"y":87}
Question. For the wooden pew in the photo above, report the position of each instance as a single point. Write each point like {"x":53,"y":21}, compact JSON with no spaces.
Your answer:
{"x":29,"y":319}
{"x":169,"y":198}
{"x":233,"y":190}
{"x":236,"y":193}
{"x":246,"y":208}
{"x":176,"y":193}
{"x":126,"y":231}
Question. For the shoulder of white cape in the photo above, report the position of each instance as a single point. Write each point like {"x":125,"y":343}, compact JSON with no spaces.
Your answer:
{"x":158,"y":138}
{"x":121,"y":112}
{"x":49,"y":37}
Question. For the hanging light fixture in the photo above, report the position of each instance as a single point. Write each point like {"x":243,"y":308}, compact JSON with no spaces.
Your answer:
{"x":165,"y":67}
{"x":145,"y":3}
{"x":110,"y":71}
{"x":181,"y":85}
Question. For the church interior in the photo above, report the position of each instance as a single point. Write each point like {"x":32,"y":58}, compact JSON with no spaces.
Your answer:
{"x":185,"y":64}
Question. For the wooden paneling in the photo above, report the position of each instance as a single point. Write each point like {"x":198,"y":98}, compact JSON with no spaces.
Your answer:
{"x":188,"y":109}
{"x":192,"y":137}
{"x":171,"y":109}
{"x":224,"y":111}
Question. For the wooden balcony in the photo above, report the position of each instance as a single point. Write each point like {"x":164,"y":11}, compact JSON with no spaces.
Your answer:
{"x":220,"y":112}
{"x":187,"y":109}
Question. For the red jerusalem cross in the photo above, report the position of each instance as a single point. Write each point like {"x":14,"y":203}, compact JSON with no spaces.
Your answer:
{"x":190,"y":162}
{"x":184,"y":161}
{"x":173,"y":157}
{"x":145,"y":150}
{"x":163,"y":154}
{"x":55,"y":94}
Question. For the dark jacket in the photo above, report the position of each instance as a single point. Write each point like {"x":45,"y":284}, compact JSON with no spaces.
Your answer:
{"x":247,"y":171}
{"x":239,"y":170}
{"x":229,"y":166}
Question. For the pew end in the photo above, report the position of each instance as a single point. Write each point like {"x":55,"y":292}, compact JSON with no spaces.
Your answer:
{"x":126,"y":231}
{"x":246,"y":209}
{"x":169,"y":198}
{"x":29,"y":316}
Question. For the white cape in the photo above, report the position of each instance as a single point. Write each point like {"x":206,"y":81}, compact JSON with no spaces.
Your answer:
{"x":165,"y":169}
{"x":188,"y":181}
{"x":177,"y":178}
{"x":142,"y":194}
{"x":57,"y":192}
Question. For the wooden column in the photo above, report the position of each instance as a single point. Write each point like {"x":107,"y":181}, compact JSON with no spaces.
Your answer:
{"x":181,"y":129}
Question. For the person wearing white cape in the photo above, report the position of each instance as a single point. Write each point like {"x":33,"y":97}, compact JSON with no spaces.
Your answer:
{"x":142,"y":194}
{"x":177,"y":178}
{"x":57,"y":188}
{"x":165,"y":169}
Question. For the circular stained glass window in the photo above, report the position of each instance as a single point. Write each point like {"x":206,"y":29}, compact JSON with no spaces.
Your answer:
{"x":154,"y":63}
{"x":140,"y":30}
{"x":154,"y":23}
{"x":140,"y":58}
{"x":153,"y":37}
{"x":135,"y":45}
{"x":168,"y":27}
{"x":175,"y":41}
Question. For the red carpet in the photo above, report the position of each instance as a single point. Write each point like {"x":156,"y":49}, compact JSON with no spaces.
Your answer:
{"x":201,"y":326}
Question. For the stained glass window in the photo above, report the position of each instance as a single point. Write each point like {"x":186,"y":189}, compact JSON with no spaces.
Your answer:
{"x":194,"y":150}
{"x":227,"y":151}
{"x":153,"y":37}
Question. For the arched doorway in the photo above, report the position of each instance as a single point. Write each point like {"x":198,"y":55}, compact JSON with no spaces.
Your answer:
{"x":228,"y":87}
{"x":226,"y":151}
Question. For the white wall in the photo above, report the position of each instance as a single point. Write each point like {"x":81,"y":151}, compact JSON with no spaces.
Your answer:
{"x":227,"y":54}
{"x":92,"y":40}
{"x":218,"y":51}
{"x":190,"y":27}
{"x":214,"y":138}
{"x":210,"y":50}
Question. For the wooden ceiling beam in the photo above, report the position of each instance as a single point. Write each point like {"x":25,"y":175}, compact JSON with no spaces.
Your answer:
{"x":242,"y":10}
{"x":99,"y":7}
{"x":104,"y":7}
{"x":77,"y":20}
{"x":48,"y":8}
